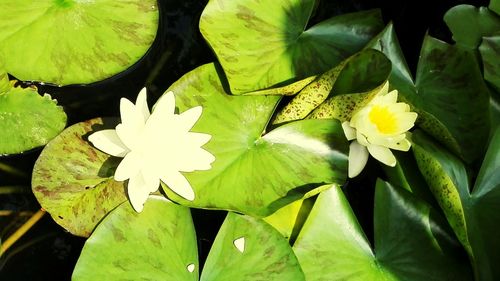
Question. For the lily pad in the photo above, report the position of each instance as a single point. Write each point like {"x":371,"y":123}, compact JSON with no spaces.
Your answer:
{"x":490,"y":53}
{"x":256,"y":172}
{"x":410,"y":243}
{"x":160,"y":244}
{"x":474,"y":215}
{"x":157,"y":244}
{"x":469,"y":24}
{"x":258,"y":49}
{"x":74,"y":42}
{"x":27,"y":120}
{"x":73,"y":181}
{"x":495,"y":6}
{"x":264,"y":255}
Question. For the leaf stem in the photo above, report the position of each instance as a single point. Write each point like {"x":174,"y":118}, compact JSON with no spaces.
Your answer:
{"x":13,"y":171}
{"x":21,"y":231}
{"x":8,"y":189}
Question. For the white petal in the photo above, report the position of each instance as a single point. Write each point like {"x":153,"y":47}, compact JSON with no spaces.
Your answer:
{"x":137,"y":192}
{"x":187,"y":119}
{"x":129,"y":136}
{"x":109,"y":142}
{"x":129,"y":166}
{"x":240,"y":244}
{"x":358,"y":156}
{"x":130,"y":115}
{"x":165,"y":106}
{"x":349,"y":132}
{"x":382,"y":154}
{"x":178,"y":184}
{"x":195,"y":159}
{"x":198,"y":139}
{"x":141,"y":104}
{"x":361,"y":138}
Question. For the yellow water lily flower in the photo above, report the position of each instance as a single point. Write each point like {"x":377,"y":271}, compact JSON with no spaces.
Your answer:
{"x":155,"y":147}
{"x":377,"y":128}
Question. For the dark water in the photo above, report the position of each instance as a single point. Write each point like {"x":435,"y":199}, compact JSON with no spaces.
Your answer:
{"x":47,"y":252}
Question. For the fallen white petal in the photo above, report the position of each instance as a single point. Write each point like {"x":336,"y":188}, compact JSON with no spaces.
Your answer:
{"x":349,"y":132}
{"x":191,"y":267}
{"x":240,"y":244}
{"x":358,"y":156}
{"x":382,"y":154}
{"x":129,"y":166}
{"x":108,"y":141}
{"x":178,"y":184}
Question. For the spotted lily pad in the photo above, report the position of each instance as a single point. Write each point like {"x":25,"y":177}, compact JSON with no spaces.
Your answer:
{"x":73,"y":181}
{"x":473,"y":214}
{"x":258,"y":49}
{"x":160,"y":244}
{"x":410,"y":242}
{"x":27,"y":120}
{"x":73,"y":42}
{"x":256,"y":172}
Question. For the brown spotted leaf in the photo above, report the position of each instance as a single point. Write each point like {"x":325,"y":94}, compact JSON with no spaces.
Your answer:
{"x":73,"y":181}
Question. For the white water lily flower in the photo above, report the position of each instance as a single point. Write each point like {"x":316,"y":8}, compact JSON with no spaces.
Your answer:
{"x":157,"y":146}
{"x":377,"y":128}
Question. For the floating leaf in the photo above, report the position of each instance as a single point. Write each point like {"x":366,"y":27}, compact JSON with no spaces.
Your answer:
{"x":410,"y":243}
{"x":490,"y":53}
{"x":469,"y":24}
{"x":27,"y":120}
{"x":247,"y":248}
{"x":258,"y":49}
{"x":256,"y":174}
{"x":495,"y":6}
{"x":72,"y":42}
{"x":157,"y":244}
{"x":73,"y":181}
{"x":160,"y":244}
{"x":473,"y":216}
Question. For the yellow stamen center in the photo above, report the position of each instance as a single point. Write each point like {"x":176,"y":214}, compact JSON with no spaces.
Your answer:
{"x":384,"y":119}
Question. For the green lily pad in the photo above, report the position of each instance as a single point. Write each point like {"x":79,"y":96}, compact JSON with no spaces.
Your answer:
{"x":27,"y":120}
{"x":255,"y":173}
{"x":73,"y":42}
{"x":266,"y":254}
{"x":474,"y":215}
{"x":157,"y":244}
{"x":160,"y":244}
{"x":469,"y":24}
{"x":410,"y":243}
{"x":258,"y":49}
{"x":73,"y":181}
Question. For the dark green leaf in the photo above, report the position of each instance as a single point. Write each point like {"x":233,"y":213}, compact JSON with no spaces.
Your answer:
{"x":410,"y":243}
{"x":474,"y":217}
{"x":469,"y":24}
